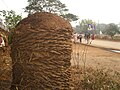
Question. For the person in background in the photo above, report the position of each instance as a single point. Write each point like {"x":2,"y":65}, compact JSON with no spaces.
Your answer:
{"x":92,"y":37}
{"x":80,"y":37}
{"x":75,"y":37}
{"x":87,"y":37}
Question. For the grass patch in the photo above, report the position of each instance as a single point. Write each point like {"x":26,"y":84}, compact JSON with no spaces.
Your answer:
{"x":95,"y":79}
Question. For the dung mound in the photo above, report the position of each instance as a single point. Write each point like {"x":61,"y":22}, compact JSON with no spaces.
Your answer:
{"x":41,"y":53}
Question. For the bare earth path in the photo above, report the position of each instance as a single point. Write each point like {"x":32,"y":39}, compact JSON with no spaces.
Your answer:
{"x":105,"y":43}
{"x":95,"y":57}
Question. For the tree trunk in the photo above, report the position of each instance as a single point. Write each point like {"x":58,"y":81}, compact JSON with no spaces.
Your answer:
{"x":41,"y":53}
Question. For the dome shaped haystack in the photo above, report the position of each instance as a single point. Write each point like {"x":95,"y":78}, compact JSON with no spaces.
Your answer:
{"x":41,"y":53}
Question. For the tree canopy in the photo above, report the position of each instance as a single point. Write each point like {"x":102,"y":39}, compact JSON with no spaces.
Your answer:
{"x":10,"y":18}
{"x":52,"y":6}
{"x":101,"y":28}
{"x":111,"y":30}
{"x":70,"y":17}
{"x":83,"y":25}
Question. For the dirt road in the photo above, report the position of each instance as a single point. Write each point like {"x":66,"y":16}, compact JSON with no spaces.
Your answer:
{"x":95,"y":57}
{"x":105,"y":43}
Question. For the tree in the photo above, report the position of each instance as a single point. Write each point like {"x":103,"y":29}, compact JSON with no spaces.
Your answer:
{"x":10,"y":18}
{"x":84,"y":24}
{"x":70,"y":17}
{"x":111,"y":30}
{"x":52,"y":6}
{"x":101,"y":28}
{"x":77,"y":29}
{"x":86,"y":21}
{"x":45,"y":6}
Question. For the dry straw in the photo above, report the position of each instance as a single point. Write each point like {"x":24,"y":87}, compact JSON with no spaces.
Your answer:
{"x":41,"y":53}
{"x":5,"y":64}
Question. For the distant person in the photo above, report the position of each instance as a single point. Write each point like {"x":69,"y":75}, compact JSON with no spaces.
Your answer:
{"x":75,"y":37}
{"x":87,"y":37}
{"x":80,"y":38}
{"x":92,"y":38}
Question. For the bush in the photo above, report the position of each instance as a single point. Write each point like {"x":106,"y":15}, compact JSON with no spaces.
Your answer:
{"x":95,"y":79}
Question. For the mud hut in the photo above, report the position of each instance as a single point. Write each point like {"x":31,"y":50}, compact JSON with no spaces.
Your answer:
{"x":5,"y":64}
{"x":41,"y":53}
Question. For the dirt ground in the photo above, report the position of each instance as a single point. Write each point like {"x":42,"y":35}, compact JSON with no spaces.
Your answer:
{"x":95,"y":57}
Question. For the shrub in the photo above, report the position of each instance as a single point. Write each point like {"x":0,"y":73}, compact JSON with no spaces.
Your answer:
{"x":95,"y":79}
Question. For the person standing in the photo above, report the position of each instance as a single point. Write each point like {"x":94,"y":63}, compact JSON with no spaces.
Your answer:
{"x":75,"y":37}
{"x":87,"y":37}
{"x":80,"y":38}
{"x":92,"y":38}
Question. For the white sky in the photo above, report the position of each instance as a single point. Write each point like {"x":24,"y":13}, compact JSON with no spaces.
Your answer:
{"x":104,"y":11}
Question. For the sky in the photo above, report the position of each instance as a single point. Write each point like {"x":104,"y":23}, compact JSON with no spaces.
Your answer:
{"x":100,"y":11}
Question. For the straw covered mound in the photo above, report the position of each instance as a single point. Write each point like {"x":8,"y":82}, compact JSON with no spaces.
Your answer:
{"x":5,"y":65}
{"x":41,"y":53}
